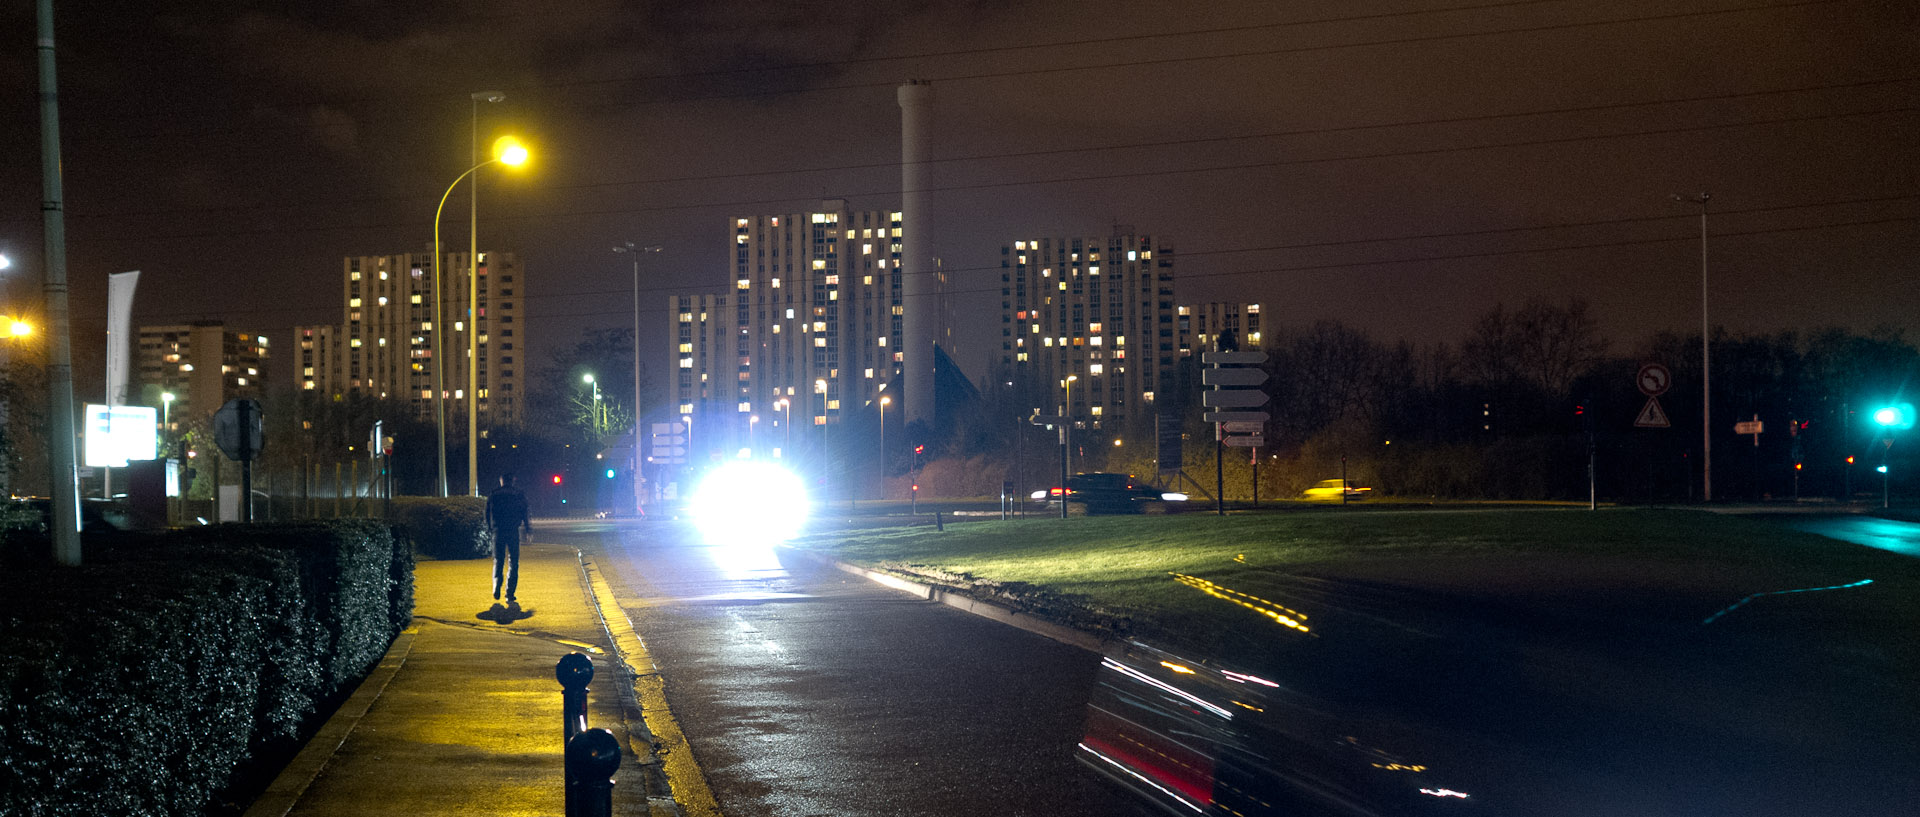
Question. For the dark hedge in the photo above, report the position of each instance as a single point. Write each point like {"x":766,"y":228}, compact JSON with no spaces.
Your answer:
{"x":138,"y":683}
{"x":452,"y":527}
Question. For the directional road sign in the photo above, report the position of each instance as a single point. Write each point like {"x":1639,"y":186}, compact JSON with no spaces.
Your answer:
{"x":1233,"y":398}
{"x":1253,"y":441}
{"x":1233,"y":377}
{"x":1243,"y":427}
{"x":1236,"y":416}
{"x":1228,"y":358}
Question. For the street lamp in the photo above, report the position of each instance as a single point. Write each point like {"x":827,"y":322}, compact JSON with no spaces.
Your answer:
{"x":884,"y":402}
{"x":826,"y":458}
{"x":786,"y":421}
{"x":628,"y":247}
{"x":507,"y":151}
{"x":1706,"y":360}
{"x":593,"y":411}
{"x":166,"y":410}
{"x":473,"y":300}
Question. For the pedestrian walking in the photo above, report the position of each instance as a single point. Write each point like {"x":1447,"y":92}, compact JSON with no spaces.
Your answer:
{"x":507,"y":516}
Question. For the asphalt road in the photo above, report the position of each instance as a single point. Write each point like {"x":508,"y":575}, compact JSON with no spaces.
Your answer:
{"x":806,"y":691}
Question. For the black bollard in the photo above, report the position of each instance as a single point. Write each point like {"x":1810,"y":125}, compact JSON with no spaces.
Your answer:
{"x":592,"y":757}
{"x":574,"y":672}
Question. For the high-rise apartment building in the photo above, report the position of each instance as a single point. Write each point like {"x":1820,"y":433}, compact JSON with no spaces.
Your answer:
{"x":1097,"y":310}
{"x":202,"y":364}
{"x":813,"y":317}
{"x":389,"y":341}
{"x":1200,"y":326}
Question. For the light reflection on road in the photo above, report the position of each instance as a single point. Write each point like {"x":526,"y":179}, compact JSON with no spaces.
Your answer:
{"x":1886,"y":534}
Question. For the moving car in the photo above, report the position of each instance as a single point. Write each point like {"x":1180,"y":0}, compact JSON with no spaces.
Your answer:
{"x":1098,"y":493}
{"x":1331,"y":490}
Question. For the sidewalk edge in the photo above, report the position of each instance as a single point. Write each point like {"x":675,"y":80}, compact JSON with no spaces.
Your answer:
{"x":688,"y":785}
{"x":286,"y":789}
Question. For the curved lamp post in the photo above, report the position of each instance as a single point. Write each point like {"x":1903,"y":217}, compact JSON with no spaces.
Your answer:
{"x":507,"y":151}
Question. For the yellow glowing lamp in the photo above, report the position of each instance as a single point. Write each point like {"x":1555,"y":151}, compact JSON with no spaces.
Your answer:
{"x":18,"y":328}
{"x":508,"y":151}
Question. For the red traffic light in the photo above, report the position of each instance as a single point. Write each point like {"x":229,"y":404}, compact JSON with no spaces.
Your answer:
{"x":556,"y":479}
{"x":919,"y":449}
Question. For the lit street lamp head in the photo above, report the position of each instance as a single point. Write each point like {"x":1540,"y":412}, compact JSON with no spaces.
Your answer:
{"x":508,"y":151}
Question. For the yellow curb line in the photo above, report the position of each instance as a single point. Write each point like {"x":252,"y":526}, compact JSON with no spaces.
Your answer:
{"x":684,"y":777}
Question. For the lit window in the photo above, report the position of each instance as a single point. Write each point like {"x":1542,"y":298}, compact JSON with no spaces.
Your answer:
{"x":355,"y":276}
{"x":865,"y":249}
{"x":820,"y":342}
{"x":776,"y":283}
{"x":686,"y":348}
{"x":819,"y":326}
{"x":869,"y":374}
{"x":383,"y":298}
{"x":414,"y":299}
{"x":789,"y":313}
{"x":355,"y":343}
{"x":740,"y":222}
{"x":883,"y":340}
{"x":1097,"y":368}
{"x":1019,"y":245}
{"x":819,"y":263}
{"x":741,"y":284}
{"x":746,"y":407}
{"x":353,"y":302}
{"x":1133,"y":255}
{"x":242,"y":381}
{"x":383,"y":341}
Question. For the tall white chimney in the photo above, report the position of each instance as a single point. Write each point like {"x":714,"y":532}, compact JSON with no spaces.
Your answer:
{"x":919,"y":324}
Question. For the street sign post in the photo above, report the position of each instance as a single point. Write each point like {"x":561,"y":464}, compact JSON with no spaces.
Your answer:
{"x":239,"y":431}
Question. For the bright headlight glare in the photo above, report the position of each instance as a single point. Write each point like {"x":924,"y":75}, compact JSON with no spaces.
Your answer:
{"x":750,"y":503}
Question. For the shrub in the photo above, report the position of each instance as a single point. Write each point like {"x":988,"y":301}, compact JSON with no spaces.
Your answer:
{"x":452,"y":527}
{"x":139,"y":682}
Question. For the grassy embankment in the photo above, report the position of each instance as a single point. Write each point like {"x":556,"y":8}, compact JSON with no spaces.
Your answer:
{"x":1122,"y":574}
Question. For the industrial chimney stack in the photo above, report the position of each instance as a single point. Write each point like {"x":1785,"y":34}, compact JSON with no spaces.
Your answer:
{"x":920,"y":323}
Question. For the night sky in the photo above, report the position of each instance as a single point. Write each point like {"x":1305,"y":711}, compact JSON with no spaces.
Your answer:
{"x":1399,"y":165}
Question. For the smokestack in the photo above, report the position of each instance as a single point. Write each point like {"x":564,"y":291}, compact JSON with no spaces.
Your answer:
{"x":919,"y":323}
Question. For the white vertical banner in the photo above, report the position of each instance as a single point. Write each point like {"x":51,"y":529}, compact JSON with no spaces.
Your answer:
{"x":119,"y":334}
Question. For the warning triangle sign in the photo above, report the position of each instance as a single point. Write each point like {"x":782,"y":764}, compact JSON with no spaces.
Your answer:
{"x":1652,"y":416}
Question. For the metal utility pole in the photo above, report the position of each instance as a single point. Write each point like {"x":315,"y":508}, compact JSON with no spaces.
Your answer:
{"x":1706,"y":359}
{"x":64,"y":485}
{"x":473,"y":300}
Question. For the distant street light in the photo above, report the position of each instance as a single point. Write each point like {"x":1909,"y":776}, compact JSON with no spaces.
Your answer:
{"x":639,"y":489}
{"x":786,"y":421}
{"x":884,"y":402}
{"x":507,"y":151}
{"x":1706,"y":360}
{"x":593,"y":411}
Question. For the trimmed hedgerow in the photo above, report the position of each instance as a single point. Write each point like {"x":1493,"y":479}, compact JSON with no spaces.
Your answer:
{"x":453,"y":527}
{"x":138,"y":683}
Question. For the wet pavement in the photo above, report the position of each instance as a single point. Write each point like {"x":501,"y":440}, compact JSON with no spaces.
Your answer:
{"x":806,"y":691}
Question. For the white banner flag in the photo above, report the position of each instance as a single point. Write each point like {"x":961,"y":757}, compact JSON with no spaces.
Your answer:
{"x":119,"y":334}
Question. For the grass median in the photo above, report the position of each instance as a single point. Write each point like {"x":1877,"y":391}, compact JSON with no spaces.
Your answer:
{"x":1187,"y":579}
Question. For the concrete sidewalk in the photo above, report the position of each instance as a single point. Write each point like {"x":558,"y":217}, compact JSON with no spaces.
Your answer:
{"x":462,"y":716}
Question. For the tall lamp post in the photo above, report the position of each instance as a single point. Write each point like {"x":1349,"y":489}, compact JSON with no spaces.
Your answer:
{"x":1066,"y":440}
{"x":785,"y":406}
{"x":1890,"y":418}
{"x":885,"y":401}
{"x":826,"y":447}
{"x":593,"y":411}
{"x":473,"y":301}
{"x":507,"y":151}
{"x":1706,"y":359}
{"x":639,"y":489}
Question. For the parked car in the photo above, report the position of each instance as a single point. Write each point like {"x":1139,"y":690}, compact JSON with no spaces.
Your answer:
{"x":1333,"y":490}
{"x":1100,"y":493}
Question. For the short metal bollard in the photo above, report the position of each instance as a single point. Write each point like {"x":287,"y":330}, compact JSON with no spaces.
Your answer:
{"x":574,"y":672}
{"x":592,"y":758}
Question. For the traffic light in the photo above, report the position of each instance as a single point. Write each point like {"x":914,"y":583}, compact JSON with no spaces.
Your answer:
{"x":556,"y":479}
{"x":609,"y":473}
